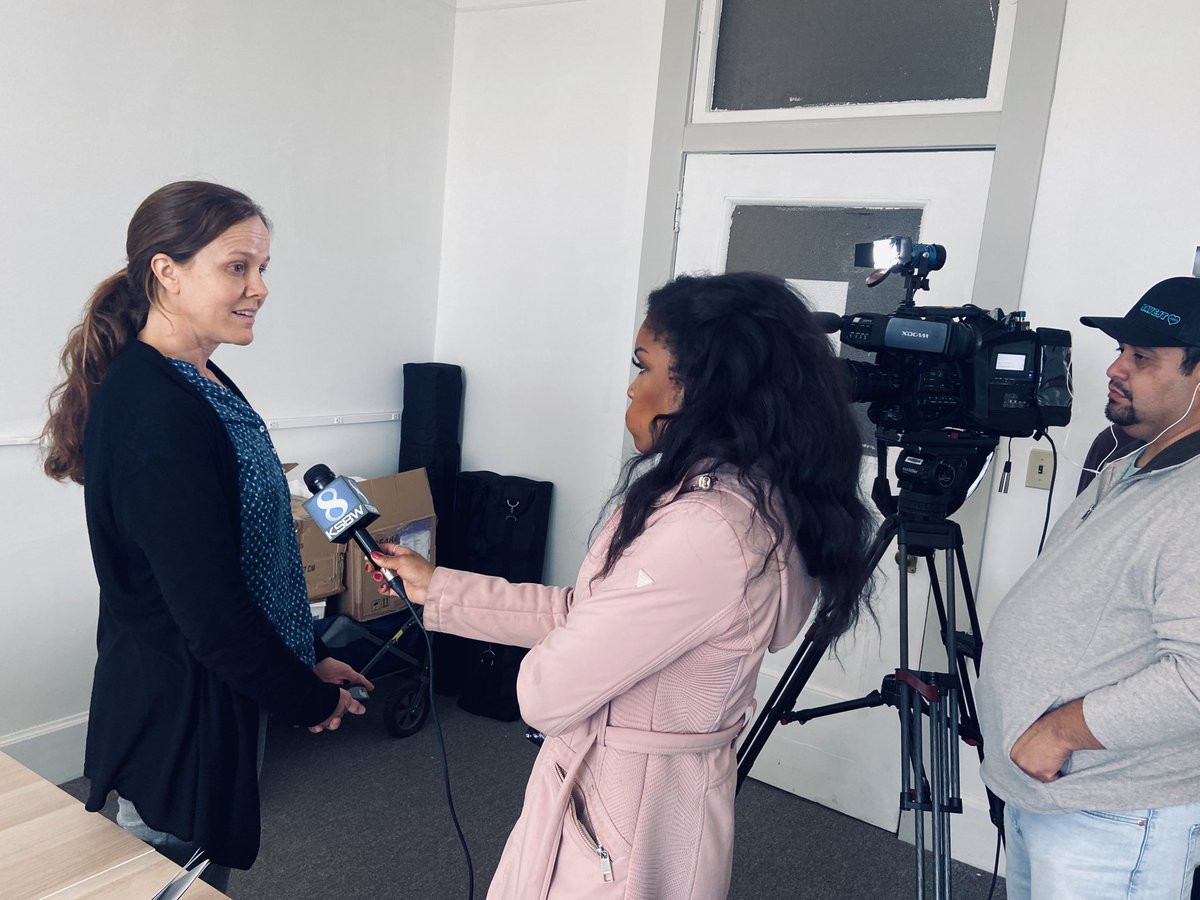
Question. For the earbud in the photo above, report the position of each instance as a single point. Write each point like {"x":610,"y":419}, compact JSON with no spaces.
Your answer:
{"x":1186,"y":413}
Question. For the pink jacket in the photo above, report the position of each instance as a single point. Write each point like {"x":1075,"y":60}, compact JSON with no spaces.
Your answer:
{"x":641,"y":683}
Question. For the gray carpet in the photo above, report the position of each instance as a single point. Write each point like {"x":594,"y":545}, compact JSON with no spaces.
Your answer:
{"x":357,"y":814}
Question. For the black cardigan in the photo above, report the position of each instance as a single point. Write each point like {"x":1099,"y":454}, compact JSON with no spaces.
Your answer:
{"x":186,"y":657}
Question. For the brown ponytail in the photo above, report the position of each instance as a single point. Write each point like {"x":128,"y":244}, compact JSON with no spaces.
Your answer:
{"x":114,"y":315}
{"x":177,"y":220}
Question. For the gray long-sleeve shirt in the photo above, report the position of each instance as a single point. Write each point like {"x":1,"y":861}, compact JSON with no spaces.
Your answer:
{"x":1111,"y":613}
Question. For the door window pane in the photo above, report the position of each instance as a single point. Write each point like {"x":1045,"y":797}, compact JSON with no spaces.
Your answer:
{"x":813,"y":247}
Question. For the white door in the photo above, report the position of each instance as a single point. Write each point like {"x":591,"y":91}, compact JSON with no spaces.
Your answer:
{"x":791,"y":214}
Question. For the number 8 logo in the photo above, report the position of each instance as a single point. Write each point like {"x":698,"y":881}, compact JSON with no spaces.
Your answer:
{"x":334,"y":502}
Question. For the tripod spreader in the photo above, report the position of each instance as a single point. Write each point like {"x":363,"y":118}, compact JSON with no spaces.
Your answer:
{"x":887,"y":695}
{"x":925,"y":683}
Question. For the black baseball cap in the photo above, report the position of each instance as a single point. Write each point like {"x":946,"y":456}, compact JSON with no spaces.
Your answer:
{"x":1168,"y":315}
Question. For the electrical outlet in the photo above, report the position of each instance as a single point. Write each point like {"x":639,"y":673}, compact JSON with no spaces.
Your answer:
{"x":1041,"y":470}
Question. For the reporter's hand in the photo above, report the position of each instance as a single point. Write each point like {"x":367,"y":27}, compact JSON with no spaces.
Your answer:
{"x":337,"y":672}
{"x":346,"y":704}
{"x":412,"y":568}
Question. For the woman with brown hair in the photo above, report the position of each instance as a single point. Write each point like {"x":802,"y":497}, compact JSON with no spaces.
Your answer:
{"x":204,"y":628}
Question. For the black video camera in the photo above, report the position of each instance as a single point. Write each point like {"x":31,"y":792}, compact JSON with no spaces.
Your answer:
{"x":951,"y":367}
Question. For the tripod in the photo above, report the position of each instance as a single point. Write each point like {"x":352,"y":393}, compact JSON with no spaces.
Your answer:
{"x":935,"y":472}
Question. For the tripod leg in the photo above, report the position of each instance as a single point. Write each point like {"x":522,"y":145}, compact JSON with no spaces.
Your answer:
{"x":913,"y":788}
{"x":955,"y":705}
{"x":943,"y":732}
{"x":783,"y":699}
{"x":916,"y":788}
{"x":950,"y":710}
{"x":968,"y":657}
{"x":941,"y":751}
{"x":799,"y":670}
{"x":968,"y":599}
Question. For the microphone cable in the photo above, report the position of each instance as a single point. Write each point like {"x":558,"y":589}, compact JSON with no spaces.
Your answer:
{"x":318,"y":479}
{"x":996,"y":864}
{"x":397,"y":585}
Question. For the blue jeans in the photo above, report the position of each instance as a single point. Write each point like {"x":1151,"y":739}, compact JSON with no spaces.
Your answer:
{"x":1141,"y":854}
{"x":176,"y":849}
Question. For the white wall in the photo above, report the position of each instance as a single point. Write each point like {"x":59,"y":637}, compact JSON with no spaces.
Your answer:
{"x":1116,"y":212}
{"x":551,"y":122}
{"x":334,"y":117}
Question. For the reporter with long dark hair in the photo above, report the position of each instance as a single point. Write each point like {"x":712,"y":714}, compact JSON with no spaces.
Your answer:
{"x":740,"y":510}
{"x":204,"y":625}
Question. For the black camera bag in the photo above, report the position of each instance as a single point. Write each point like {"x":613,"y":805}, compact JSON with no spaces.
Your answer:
{"x":499,"y":527}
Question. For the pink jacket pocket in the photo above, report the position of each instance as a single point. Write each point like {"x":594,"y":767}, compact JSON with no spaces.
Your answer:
{"x":592,"y":857}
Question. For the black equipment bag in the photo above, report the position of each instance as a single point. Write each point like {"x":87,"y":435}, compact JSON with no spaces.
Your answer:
{"x":499,"y":527}
{"x":429,"y":429}
{"x":489,"y":680}
{"x":429,"y":438}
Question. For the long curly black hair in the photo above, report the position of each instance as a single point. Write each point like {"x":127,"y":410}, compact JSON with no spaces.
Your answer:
{"x":764,"y":393}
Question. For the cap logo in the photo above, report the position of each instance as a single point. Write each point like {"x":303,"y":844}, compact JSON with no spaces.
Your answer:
{"x":1169,"y":318}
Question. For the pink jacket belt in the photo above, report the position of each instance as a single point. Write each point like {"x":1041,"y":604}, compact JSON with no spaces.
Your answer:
{"x":663,"y":743}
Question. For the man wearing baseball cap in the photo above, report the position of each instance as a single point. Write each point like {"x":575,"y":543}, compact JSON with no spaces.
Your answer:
{"x":1089,"y":695}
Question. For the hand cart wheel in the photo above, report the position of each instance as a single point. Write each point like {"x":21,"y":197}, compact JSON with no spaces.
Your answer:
{"x":407,"y":708}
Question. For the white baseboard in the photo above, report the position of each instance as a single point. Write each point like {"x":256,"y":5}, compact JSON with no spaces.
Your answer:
{"x":53,"y":749}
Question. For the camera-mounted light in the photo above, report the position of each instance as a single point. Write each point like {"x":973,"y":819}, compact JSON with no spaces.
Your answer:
{"x":900,"y":254}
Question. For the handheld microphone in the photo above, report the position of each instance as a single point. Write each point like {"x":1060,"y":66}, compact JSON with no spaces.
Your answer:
{"x":343,"y":512}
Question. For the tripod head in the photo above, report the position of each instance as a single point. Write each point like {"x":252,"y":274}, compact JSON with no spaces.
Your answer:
{"x":936,"y":471}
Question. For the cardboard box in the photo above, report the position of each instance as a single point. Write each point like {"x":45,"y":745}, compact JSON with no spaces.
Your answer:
{"x":405,"y":517}
{"x":324,"y":563}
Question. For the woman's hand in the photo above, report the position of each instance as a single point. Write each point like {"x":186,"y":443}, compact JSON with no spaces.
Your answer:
{"x":337,"y":672}
{"x":412,"y":568}
{"x":346,"y":704}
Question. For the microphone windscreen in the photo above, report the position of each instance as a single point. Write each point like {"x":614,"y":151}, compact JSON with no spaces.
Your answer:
{"x":317,"y":477}
{"x":830,"y":323}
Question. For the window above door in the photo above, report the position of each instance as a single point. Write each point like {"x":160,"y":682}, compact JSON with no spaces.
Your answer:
{"x":797,"y":60}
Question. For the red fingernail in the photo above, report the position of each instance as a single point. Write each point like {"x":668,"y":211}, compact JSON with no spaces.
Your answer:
{"x":375,"y":554}
{"x":377,"y":576}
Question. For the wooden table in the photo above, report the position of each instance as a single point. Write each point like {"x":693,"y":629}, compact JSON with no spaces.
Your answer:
{"x":50,"y":846}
